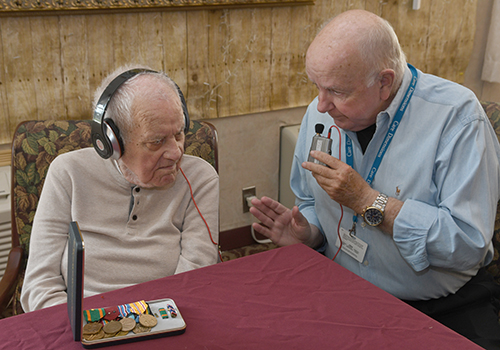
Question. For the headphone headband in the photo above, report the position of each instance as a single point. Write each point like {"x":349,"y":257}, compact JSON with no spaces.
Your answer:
{"x":106,"y":136}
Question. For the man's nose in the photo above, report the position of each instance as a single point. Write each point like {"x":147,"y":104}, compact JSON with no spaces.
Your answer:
{"x":324,"y":103}
{"x":173,"y":150}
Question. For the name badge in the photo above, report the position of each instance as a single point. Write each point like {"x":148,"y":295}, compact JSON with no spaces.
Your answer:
{"x":351,"y":245}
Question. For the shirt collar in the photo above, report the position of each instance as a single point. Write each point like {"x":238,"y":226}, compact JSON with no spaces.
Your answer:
{"x":396,"y":102}
{"x":112,"y":168}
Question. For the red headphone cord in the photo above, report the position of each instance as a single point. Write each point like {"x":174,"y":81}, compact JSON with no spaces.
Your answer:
{"x":199,"y":212}
{"x":341,"y":207}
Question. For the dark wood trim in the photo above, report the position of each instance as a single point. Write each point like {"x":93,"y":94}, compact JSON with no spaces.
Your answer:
{"x":85,"y":7}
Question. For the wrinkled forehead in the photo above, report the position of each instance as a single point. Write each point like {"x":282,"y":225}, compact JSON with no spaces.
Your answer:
{"x":157,"y":114}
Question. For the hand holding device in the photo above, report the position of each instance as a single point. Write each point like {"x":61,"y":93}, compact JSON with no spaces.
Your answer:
{"x":320,"y":143}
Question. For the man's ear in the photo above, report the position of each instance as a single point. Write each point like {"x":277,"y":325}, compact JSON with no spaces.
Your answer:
{"x":386,"y":83}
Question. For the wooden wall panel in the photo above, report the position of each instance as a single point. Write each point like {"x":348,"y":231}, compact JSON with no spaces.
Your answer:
{"x":459,"y":44}
{"x":219,"y":50}
{"x":450,"y":38}
{"x":75,"y":63}
{"x":173,"y":34}
{"x":101,"y":48}
{"x":217,"y":86}
{"x":227,"y":62}
{"x":300,"y":90}
{"x":241,"y":40}
{"x":259,"y":58}
{"x":438,"y":26}
{"x":137,"y":40}
{"x":280,"y":51}
{"x":412,"y":28}
{"x":150,"y":50}
{"x":47,"y":74}
{"x":18,"y":70}
{"x":126,"y":40}
{"x":123,"y":39}
{"x":198,"y":77}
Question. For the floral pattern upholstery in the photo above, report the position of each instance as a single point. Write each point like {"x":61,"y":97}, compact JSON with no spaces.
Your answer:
{"x":493,"y":111}
{"x":37,"y":143}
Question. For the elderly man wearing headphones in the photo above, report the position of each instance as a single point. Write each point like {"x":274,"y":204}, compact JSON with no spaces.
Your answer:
{"x":131,"y":198}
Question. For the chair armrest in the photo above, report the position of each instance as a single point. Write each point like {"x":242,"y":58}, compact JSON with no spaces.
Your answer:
{"x":9,"y":279}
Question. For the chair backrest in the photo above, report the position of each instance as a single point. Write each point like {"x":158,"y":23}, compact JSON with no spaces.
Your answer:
{"x":492,"y":110}
{"x":37,"y":143}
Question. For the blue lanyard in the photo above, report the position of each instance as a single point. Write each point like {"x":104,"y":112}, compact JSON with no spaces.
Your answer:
{"x":388,"y":137}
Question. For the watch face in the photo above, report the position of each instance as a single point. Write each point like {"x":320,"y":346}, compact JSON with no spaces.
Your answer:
{"x":373,"y":216}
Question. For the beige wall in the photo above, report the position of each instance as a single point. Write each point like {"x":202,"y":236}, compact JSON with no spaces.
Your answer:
{"x":249,"y":156}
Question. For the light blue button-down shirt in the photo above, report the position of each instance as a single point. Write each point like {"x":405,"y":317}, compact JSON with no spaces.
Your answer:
{"x":443,"y":162}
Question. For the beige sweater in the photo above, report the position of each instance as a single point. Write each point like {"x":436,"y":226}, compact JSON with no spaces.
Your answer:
{"x":131,"y":234}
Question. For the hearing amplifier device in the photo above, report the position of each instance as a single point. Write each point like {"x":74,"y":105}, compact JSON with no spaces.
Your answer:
{"x":320,"y":143}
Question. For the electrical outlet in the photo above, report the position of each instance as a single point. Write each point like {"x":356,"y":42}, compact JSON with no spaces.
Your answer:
{"x":247,"y":192}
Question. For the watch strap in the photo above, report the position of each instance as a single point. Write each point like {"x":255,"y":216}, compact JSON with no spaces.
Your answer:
{"x":380,"y":202}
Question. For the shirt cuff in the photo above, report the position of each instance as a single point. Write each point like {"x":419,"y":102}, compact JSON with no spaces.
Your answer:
{"x":410,"y":232}
{"x":311,"y":217}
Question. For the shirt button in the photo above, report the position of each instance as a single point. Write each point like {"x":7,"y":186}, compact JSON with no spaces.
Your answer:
{"x":365,"y":262}
{"x":134,"y":217}
{"x":137,"y":189}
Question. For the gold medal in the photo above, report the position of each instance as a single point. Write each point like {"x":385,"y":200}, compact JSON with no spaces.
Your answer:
{"x":140,"y":329}
{"x":98,"y":335}
{"x":92,"y":328}
{"x":112,"y":327}
{"x":147,"y":320}
{"x":121,"y":333}
{"x":127,"y":324}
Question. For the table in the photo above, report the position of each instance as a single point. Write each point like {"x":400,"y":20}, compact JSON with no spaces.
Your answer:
{"x":286,"y":298}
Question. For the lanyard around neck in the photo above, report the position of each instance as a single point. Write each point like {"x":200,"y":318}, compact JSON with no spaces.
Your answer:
{"x":387,"y":140}
{"x":390,"y":133}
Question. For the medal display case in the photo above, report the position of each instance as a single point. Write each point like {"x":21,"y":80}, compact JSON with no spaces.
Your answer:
{"x":111,"y":325}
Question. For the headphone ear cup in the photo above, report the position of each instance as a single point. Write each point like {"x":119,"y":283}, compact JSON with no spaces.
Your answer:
{"x":186,"y":119}
{"x":184,"y":109}
{"x":114,"y":138}
{"x":100,"y":142}
{"x":105,"y":134}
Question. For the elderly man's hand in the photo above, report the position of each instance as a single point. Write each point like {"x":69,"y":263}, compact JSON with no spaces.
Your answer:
{"x":280,"y":224}
{"x":341,"y":182}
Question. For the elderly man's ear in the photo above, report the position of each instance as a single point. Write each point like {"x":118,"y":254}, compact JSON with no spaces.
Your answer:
{"x":386,"y":83}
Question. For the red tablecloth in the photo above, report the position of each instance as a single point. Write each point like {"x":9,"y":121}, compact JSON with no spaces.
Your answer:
{"x":287,"y":298}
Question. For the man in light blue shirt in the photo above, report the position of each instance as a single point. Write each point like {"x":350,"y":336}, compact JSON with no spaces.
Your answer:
{"x":409,"y":194}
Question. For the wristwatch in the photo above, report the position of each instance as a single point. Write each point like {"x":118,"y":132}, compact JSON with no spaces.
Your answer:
{"x":374,"y":214}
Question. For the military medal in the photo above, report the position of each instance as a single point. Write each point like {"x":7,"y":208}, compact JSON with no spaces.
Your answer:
{"x":147,"y":320}
{"x":92,"y":328}
{"x":127,"y":324}
{"x":140,"y":329}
